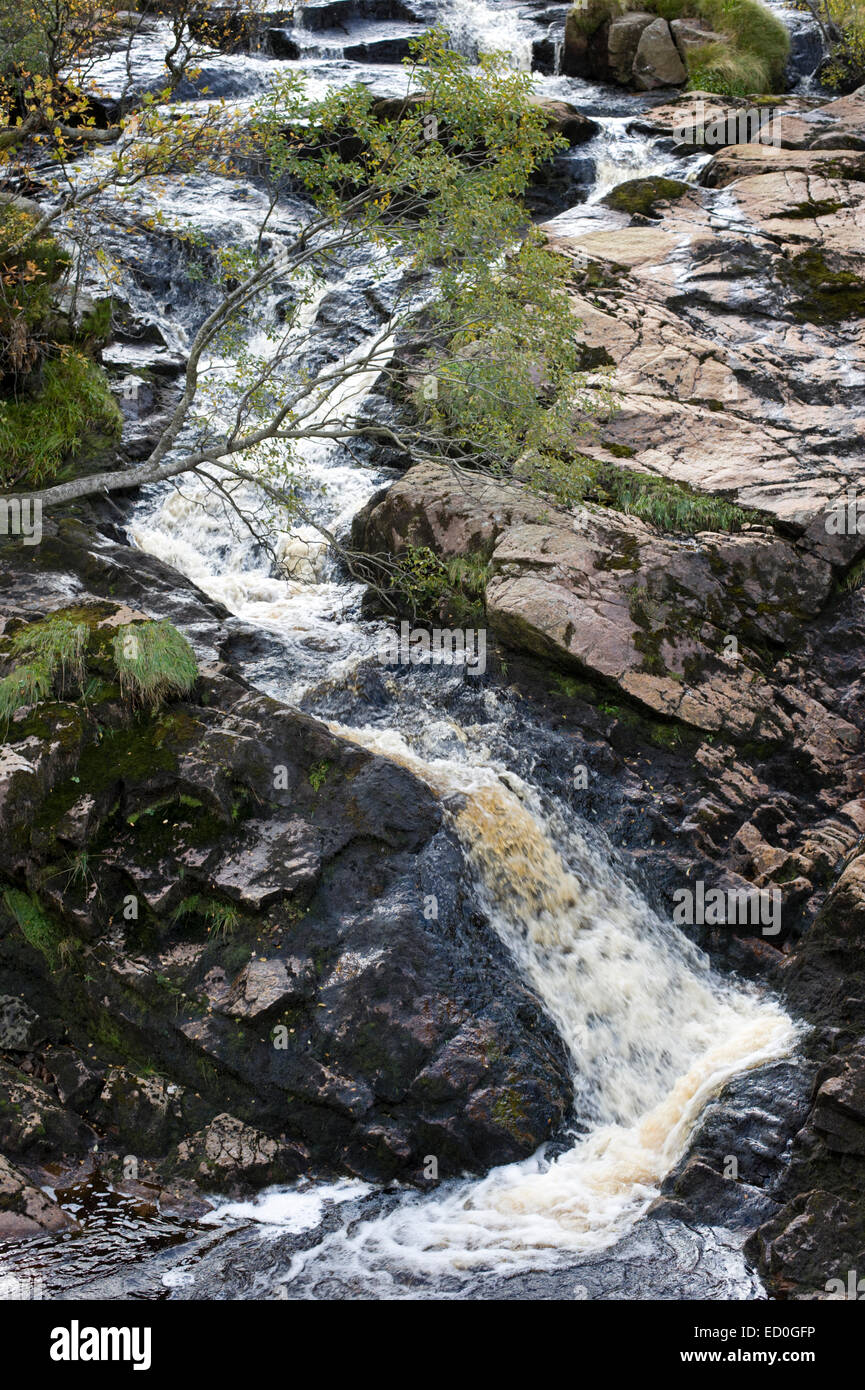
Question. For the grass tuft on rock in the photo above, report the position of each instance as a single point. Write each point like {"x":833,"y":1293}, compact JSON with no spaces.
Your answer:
{"x":25,"y":686}
{"x":41,"y":432}
{"x":154,"y":662}
{"x":668,"y":505}
{"x":55,"y":642}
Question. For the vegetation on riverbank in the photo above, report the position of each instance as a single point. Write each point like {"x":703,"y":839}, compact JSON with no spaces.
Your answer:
{"x":843,"y":26}
{"x":54,"y":399}
{"x":145,"y":663}
{"x":748,"y":58}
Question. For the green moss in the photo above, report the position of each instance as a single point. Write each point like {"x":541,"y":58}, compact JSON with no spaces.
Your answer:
{"x":642,"y":196}
{"x":41,"y":432}
{"x":37,"y":927}
{"x":822,"y":294}
{"x":510,"y":1113}
{"x":813,"y":207}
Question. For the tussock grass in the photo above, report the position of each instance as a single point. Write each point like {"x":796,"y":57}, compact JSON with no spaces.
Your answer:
{"x":39,"y":433}
{"x":54,"y":642}
{"x":154,"y":661}
{"x":222,"y":918}
{"x":667,"y":505}
{"x":24,"y":686}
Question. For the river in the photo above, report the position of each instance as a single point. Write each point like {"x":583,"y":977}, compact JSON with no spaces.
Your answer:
{"x":652,"y":1029}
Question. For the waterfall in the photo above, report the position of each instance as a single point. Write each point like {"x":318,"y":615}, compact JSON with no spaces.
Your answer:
{"x":652,"y":1030}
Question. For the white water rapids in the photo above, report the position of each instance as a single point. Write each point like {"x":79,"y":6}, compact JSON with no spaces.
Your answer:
{"x":652,"y":1030}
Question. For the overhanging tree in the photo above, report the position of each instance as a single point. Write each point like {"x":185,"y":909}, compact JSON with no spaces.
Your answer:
{"x":481,"y":337}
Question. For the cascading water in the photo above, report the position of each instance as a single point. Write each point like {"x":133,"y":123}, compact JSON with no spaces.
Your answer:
{"x":652,"y":1030}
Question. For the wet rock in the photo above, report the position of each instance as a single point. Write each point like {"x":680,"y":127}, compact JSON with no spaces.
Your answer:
{"x":815,"y":1240}
{"x":700,"y":1193}
{"x":19,"y":1025}
{"x":144,"y":1112}
{"x":77,"y":1082}
{"x":265,"y":987}
{"x":229,"y":1155}
{"x":278,"y":966}
{"x":33,"y":1127}
{"x":25,"y":1210}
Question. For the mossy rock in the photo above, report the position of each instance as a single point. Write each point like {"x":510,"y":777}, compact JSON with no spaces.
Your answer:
{"x":822,"y":293}
{"x":641,"y":197}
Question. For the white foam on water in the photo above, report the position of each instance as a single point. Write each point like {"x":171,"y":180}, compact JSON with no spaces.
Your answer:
{"x":653,"y":1032}
{"x":294,"y":1209}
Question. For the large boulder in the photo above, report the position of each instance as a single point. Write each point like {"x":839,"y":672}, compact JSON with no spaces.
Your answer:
{"x":268,"y":924}
{"x":607,"y":595}
{"x":623,"y":41}
{"x":691,"y":33}
{"x":657,"y":61}
{"x":584,"y":52}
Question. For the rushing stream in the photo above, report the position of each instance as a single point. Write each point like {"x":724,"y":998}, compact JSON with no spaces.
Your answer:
{"x":652,"y":1029}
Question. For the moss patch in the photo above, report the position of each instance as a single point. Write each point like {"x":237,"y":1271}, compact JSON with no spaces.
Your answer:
{"x":822,"y":294}
{"x":642,"y":196}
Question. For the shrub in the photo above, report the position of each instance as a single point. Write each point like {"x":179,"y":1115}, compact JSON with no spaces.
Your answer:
{"x":28,"y":276}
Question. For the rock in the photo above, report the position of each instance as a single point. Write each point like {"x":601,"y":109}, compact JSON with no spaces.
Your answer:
{"x":645,"y":197}
{"x":566,"y":120}
{"x":690,"y":33}
{"x":78,"y":1083}
{"x":657,"y":62}
{"x":27,"y":1211}
{"x":19,"y":1025}
{"x":743,"y":161}
{"x":584,"y":53}
{"x":609,"y":597}
{"x":229,"y":1156}
{"x":815,"y":1239}
{"x":622,"y":43}
{"x":839,"y":1110}
{"x":33,"y":1127}
{"x":266,"y":986}
{"x":145,"y":1112}
{"x":711,"y":400}
{"x":698,"y":1192}
{"x":281,"y":968}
